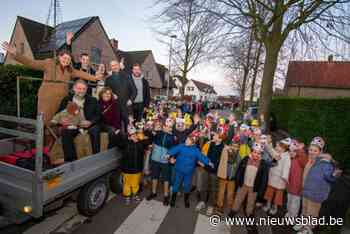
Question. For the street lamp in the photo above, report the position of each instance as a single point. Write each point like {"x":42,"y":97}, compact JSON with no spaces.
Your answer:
{"x":170,"y":55}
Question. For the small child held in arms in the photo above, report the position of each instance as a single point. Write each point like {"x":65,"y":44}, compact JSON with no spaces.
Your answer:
{"x":185,"y":158}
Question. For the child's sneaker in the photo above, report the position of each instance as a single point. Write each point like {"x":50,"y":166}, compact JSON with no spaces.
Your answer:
{"x":232,"y":213}
{"x":219,"y":211}
{"x":305,"y":230}
{"x":127,"y":201}
{"x":297,"y":227}
{"x":210,"y":210}
{"x":200,"y":206}
{"x":151,"y":196}
{"x":166,"y":201}
{"x":136,"y":198}
{"x":267,"y":207}
{"x":258,"y":205}
{"x":273,"y":210}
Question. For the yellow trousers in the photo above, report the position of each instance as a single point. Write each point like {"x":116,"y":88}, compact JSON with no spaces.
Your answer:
{"x":131,"y":184}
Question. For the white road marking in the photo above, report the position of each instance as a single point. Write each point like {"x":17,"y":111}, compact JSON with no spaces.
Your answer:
{"x":146,"y":218}
{"x":203,"y":226}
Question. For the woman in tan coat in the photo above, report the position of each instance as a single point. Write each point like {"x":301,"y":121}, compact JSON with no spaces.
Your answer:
{"x":54,"y":86}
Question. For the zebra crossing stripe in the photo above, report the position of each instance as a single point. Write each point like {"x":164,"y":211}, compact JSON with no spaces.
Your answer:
{"x":203,"y":226}
{"x":146,"y":218}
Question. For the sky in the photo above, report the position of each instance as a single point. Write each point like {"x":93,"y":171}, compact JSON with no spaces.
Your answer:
{"x":127,"y":21}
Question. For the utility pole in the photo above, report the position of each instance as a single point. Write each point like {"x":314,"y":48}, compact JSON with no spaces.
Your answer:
{"x":170,"y":57}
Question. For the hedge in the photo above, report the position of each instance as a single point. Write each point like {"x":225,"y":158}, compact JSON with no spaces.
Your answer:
{"x":305,"y":118}
{"x":29,"y":89}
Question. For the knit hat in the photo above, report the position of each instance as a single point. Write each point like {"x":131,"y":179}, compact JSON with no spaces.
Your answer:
{"x":319,"y":142}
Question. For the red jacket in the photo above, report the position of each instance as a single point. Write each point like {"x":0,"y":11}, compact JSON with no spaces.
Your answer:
{"x":110,"y":113}
{"x":295,"y":181}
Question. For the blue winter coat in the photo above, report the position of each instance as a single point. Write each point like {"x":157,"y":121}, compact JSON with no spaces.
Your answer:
{"x":162,"y":141}
{"x":187,"y":157}
{"x":318,"y":181}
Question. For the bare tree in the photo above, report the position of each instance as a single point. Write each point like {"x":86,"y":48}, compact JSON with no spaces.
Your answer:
{"x":272,"y":22}
{"x":196,"y":31}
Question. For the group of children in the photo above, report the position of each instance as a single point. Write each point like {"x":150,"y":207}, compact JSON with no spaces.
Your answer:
{"x":224,"y":162}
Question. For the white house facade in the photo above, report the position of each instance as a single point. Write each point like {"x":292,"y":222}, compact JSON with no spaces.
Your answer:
{"x":200,"y":91}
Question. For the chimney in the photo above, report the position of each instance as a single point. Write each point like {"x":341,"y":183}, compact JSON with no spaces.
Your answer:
{"x":330,"y":58}
{"x":115,"y":43}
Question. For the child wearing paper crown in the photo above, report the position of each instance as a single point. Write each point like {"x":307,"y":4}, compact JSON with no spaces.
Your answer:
{"x":185,"y":158}
{"x":132,"y":149}
{"x":251,"y":180}
{"x":244,"y":133}
{"x":163,"y":140}
{"x":294,"y":187}
{"x":319,"y":174}
{"x":278,"y":176}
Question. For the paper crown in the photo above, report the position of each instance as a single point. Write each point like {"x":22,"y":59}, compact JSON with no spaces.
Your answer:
{"x":258,"y":147}
{"x":294,"y":145}
{"x":286,"y":141}
{"x":244,"y":127}
{"x":131,"y":130}
{"x":318,"y":141}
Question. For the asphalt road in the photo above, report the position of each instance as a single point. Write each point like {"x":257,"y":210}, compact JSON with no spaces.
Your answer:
{"x":147,"y":217}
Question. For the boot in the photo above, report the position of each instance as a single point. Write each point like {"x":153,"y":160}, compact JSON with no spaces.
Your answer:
{"x":151,"y":196}
{"x":173,"y":199}
{"x":166,"y":201}
{"x":187,"y":200}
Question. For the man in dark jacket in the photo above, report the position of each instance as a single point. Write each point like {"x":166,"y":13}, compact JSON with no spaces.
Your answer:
{"x":338,"y":202}
{"x":90,"y":112}
{"x":142,"y":98}
{"x":125,"y":90}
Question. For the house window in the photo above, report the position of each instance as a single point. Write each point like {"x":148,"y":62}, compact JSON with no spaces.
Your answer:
{"x":21,"y":48}
{"x":190,"y":88}
{"x":96,"y":55}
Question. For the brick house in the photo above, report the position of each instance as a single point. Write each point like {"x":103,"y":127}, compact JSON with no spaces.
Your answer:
{"x":36,"y":40}
{"x":323,"y":79}
{"x":156,"y":74}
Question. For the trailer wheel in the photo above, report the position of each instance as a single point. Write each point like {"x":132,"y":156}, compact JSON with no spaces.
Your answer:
{"x":92,"y":197}
{"x":116,"y":182}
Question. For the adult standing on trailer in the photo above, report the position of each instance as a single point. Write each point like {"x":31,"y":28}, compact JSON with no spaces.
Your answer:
{"x":125,"y":90}
{"x":55,"y":86}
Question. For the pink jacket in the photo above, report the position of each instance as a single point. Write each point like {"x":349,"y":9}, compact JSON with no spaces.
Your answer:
{"x":295,"y":181}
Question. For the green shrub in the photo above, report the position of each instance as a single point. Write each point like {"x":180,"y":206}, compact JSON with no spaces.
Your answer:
{"x":305,"y":118}
{"x":29,"y":89}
